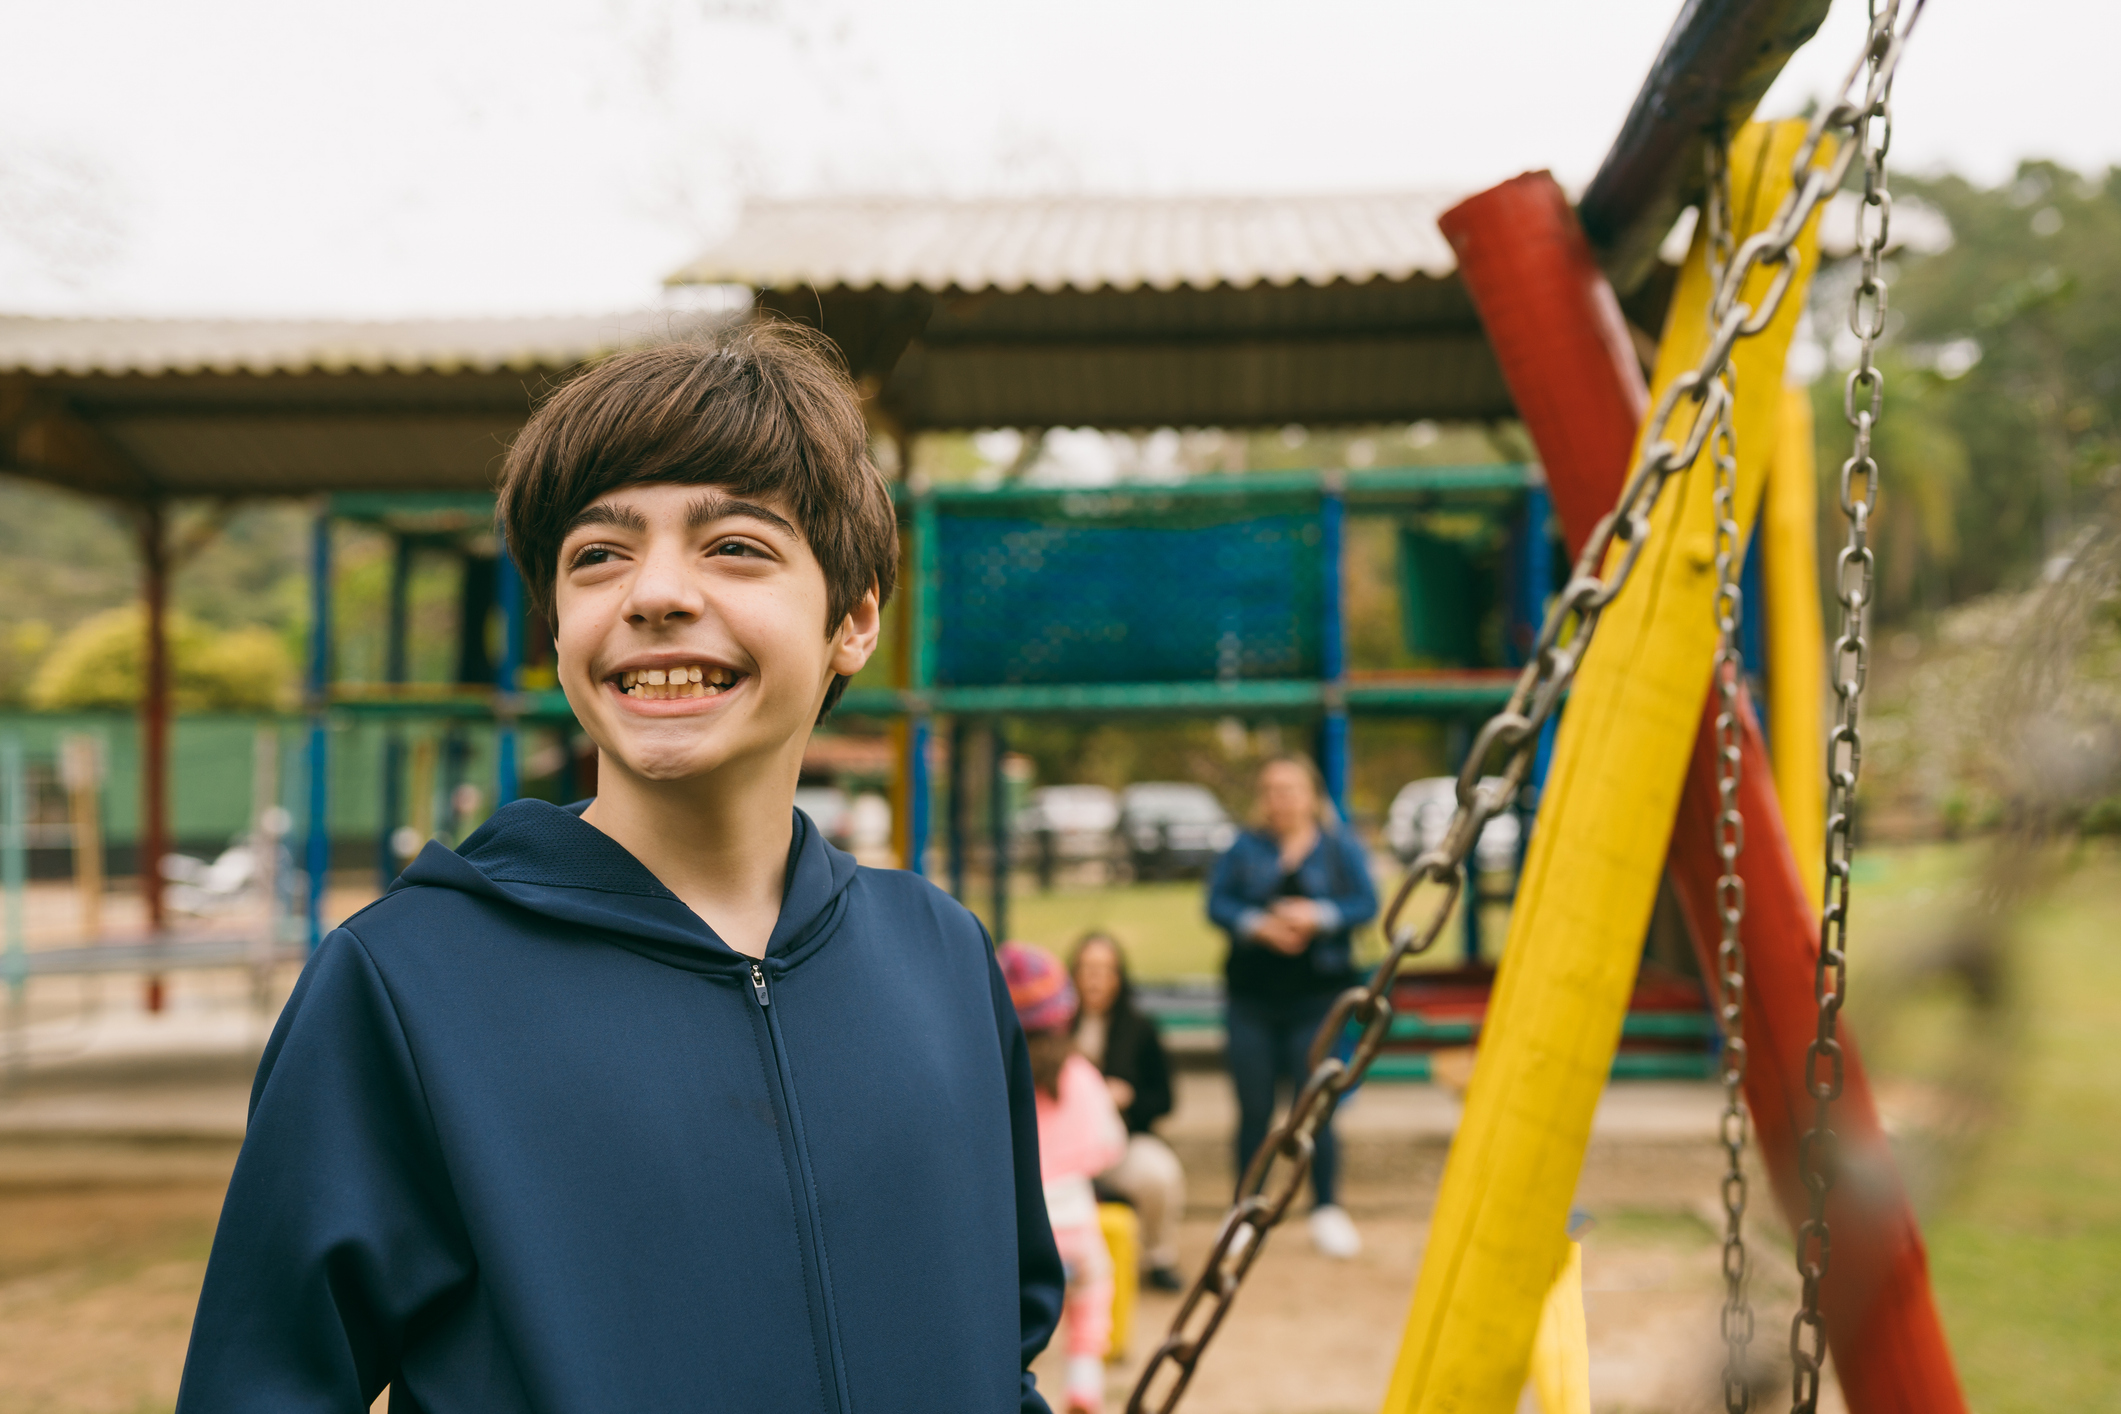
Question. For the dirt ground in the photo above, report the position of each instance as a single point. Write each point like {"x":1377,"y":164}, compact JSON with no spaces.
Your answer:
{"x":103,"y":1238}
{"x":1312,"y":1336}
{"x":102,"y":1248}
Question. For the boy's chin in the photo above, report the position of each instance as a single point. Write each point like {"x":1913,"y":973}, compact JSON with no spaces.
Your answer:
{"x":666,"y":768}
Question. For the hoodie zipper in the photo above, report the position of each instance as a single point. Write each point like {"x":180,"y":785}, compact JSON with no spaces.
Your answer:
{"x":805,"y":1181}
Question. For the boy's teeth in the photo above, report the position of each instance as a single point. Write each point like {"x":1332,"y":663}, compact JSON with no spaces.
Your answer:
{"x":688,"y":680}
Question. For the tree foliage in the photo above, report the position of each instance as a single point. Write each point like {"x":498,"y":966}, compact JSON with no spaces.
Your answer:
{"x":101,"y":662}
{"x":2003,"y":383}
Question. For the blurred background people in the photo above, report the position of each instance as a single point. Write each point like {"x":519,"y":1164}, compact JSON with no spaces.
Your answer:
{"x":1121,"y":1040}
{"x":1289,"y":893}
{"x":1080,"y":1134}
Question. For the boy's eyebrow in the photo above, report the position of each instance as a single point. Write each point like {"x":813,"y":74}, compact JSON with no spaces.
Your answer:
{"x":712,"y":506}
{"x":617,"y":515}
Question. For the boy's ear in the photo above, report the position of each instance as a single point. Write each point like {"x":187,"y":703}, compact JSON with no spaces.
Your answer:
{"x":855,"y":639}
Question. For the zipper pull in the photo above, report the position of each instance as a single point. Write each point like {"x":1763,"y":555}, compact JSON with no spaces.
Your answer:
{"x":758,"y":985}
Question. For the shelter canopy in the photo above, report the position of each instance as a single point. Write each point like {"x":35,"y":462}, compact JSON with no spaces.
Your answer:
{"x":149,"y":408}
{"x":1127,"y":311}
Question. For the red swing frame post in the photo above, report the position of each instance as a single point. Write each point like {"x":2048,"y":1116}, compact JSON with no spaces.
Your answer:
{"x":1562,"y":343}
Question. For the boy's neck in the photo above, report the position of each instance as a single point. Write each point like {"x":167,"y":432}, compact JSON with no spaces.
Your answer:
{"x":719,"y":842}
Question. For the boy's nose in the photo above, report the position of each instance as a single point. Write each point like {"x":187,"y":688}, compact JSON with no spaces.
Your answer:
{"x":663,"y":592}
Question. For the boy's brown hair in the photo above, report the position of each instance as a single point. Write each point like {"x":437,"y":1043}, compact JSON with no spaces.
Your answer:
{"x":762,"y":408}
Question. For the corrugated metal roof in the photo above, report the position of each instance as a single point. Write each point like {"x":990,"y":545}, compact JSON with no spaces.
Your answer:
{"x":88,"y":347}
{"x":1079,"y":243}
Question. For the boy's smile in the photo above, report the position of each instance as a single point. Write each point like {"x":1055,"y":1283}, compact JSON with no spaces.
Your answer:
{"x":667,"y":682}
{"x":691,"y":634}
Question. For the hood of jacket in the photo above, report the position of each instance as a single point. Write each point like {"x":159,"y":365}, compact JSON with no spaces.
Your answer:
{"x":547,"y":860}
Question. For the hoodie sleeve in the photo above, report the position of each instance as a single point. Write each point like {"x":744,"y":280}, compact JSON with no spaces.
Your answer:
{"x":1040,"y":1279}
{"x":340,"y":1234}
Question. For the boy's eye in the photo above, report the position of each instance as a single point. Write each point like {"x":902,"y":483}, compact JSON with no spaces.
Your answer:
{"x":591,"y":555}
{"x":733,"y":547}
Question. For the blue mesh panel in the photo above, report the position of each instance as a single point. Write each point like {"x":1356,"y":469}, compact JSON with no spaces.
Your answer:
{"x":1058,"y":600}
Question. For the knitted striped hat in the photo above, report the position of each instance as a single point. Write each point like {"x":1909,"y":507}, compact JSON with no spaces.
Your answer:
{"x":1038,"y":985}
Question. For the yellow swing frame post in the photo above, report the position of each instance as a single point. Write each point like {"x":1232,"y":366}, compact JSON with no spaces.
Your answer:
{"x":1498,"y":1235}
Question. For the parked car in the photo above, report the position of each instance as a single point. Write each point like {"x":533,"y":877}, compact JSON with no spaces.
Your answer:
{"x":1422,"y":812}
{"x":830,"y":810}
{"x":1170,"y":828}
{"x":1061,"y":825}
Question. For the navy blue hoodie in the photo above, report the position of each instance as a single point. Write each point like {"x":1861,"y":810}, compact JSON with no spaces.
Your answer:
{"x":528,"y":1136}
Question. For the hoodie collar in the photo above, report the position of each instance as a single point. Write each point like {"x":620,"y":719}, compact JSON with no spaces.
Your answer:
{"x":547,"y":860}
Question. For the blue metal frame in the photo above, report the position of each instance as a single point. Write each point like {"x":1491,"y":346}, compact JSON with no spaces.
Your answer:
{"x":1752,"y":628}
{"x":917,"y":793}
{"x":998,"y":826}
{"x":920,"y":653}
{"x":317,"y":847}
{"x":508,"y":678}
{"x":1332,"y":650}
{"x":954,"y":807}
{"x":14,"y":877}
{"x":1535,"y":585}
{"x":394,"y":672}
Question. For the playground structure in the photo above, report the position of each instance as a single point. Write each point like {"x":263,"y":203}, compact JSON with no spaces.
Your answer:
{"x":1555,"y":292}
{"x":1495,"y":1296}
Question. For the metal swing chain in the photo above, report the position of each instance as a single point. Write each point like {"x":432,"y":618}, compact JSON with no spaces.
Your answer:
{"x":1512,"y":734}
{"x":1737,"y":1316}
{"x":1871,"y":133}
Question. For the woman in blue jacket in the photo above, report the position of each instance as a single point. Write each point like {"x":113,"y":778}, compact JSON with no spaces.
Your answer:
{"x":1289,"y":893}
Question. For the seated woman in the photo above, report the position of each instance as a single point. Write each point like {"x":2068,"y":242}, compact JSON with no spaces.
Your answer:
{"x":1121,"y":1040}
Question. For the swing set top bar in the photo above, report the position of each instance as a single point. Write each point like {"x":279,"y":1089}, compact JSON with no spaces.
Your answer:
{"x":1719,"y":59}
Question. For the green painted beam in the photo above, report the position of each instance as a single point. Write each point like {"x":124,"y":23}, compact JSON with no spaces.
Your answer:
{"x":391,"y":505}
{"x":1639,"y":1026}
{"x":1369,"y":483}
{"x":1646,"y":1065}
{"x":1443,"y":694}
{"x":546,"y":707}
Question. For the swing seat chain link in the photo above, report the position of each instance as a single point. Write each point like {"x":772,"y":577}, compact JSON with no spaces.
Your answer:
{"x":1736,"y":1320}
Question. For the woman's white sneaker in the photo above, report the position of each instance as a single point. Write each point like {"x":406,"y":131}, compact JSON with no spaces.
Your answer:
{"x":1333,"y":1233}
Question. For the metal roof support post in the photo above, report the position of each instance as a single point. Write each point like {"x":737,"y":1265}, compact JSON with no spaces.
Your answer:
{"x":14,"y":872}
{"x":508,"y":596}
{"x":1332,"y":646}
{"x":317,"y":845}
{"x":154,"y":713}
{"x":154,"y":727}
{"x":394,"y":672}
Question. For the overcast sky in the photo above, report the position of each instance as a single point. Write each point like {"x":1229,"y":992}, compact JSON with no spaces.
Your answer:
{"x":441,"y":156}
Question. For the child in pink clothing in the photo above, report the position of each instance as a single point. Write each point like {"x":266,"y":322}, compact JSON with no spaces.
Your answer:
{"x":1080,"y":1134}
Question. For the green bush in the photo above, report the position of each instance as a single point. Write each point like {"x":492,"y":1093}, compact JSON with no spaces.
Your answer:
{"x":102,"y":662}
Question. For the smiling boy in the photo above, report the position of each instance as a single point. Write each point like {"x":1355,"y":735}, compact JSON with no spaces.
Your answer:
{"x":658,"y":1102}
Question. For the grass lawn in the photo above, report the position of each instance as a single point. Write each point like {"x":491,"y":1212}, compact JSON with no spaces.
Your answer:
{"x":2025,"y":1246}
{"x":1165,"y":930}
{"x":2023,"y":1218}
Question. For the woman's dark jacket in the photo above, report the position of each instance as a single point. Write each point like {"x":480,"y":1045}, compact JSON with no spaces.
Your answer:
{"x":528,"y":1136}
{"x":1134,"y":1052}
{"x":1247,"y":880}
